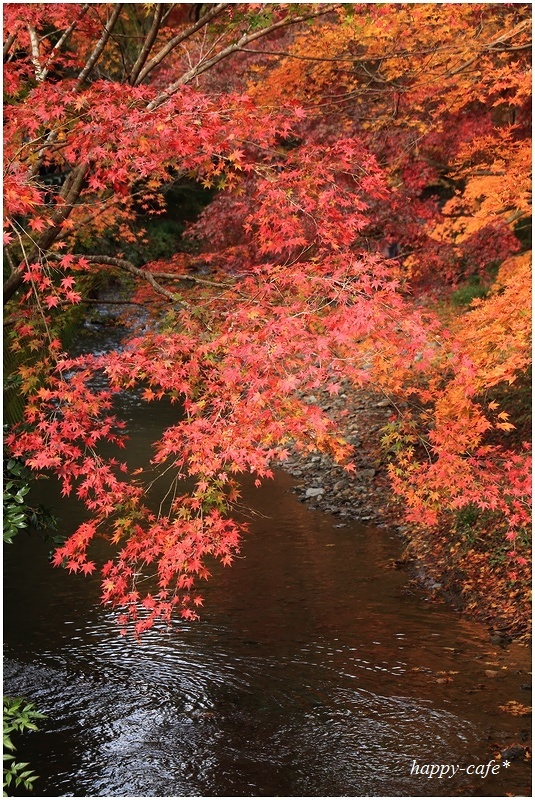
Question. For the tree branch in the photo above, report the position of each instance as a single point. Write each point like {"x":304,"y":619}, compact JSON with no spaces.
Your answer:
{"x":147,"y":45}
{"x":36,"y":59}
{"x":70,"y":193}
{"x":171,"y":276}
{"x":287,"y":54}
{"x":127,"y":266}
{"x":246,"y":39}
{"x":63,"y":38}
{"x":101,"y":44}
{"x":8,"y":44}
{"x":491,"y":47}
{"x":99,"y":302}
{"x":181,"y":37}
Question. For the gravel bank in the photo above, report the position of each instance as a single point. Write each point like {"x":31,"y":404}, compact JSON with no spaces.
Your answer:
{"x":364,"y":495}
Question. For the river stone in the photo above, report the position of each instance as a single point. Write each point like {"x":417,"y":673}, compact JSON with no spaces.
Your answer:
{"x":514,"y":752}
{"x":364,"y":474}
{"x":314,"y":491}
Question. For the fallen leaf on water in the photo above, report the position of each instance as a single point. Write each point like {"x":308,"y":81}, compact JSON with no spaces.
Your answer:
{"x":516,"y":709}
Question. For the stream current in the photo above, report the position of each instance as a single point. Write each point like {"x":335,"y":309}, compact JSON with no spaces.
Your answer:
{"x":316,"y":670}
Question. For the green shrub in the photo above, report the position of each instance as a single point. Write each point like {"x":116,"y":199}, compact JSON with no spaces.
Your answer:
{"x":17,"y":513}
{"x":19,"y":716}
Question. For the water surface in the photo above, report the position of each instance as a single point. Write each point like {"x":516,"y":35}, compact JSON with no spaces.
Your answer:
{"x":316,"y":670}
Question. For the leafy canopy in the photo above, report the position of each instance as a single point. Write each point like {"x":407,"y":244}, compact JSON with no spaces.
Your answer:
{"x":362,"y":159}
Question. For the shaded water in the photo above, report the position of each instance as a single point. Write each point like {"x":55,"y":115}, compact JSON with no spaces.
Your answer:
{"x":313,"y":672}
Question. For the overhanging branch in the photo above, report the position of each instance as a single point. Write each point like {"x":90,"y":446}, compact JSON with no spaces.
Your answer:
{"x":176,"y":40}
{"x":127,"y":266}
{"x":246,"y":39}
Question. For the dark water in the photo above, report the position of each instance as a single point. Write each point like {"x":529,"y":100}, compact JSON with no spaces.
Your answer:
{"x":315,"y":671}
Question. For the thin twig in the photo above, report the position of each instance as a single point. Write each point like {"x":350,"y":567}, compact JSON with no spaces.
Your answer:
{"x":246,"y":39}
{"x":181,"y":37}
{"x":70,"y":193}
{"x":103,"y":302}
{"x":174,"y":277}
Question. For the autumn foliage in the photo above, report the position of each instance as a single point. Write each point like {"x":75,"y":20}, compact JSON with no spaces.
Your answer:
{"x":363,"y":160}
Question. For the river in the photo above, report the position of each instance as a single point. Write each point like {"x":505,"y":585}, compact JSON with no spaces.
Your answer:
{"x":316,"y":670}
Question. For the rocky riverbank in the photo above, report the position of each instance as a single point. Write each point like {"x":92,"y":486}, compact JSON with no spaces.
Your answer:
{"x":366,"y":496}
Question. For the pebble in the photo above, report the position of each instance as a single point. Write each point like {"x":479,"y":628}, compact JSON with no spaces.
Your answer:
{"x":365,"y":474}
{"x":314,"y":492}
{"x":514,"y":752}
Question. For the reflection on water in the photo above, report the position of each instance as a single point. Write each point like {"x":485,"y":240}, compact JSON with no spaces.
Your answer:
{"x":312,"y":672}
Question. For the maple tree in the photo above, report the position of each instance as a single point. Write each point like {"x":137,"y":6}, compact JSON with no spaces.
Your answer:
{"x":362,"y":160}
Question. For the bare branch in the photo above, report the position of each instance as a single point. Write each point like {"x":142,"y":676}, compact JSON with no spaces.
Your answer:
{"x":171,"y":276}
{"x":246,"y":39}
{"x":11,"y":263}
{"x":50,"y":140}
{"x":63,"y":38}
{"x":516,"y":215}
{"x":147,"y":46}
{"x":287,"y":54}
{"x":8,"y":44}
{"x":181,"y":37}
{"x":493,"y":46}
{"x":99,"y":302}
{"x":127,"y":266}
{"x":101,"y":44}
{"x":12,"y":284}
{"x":36,"y":58}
